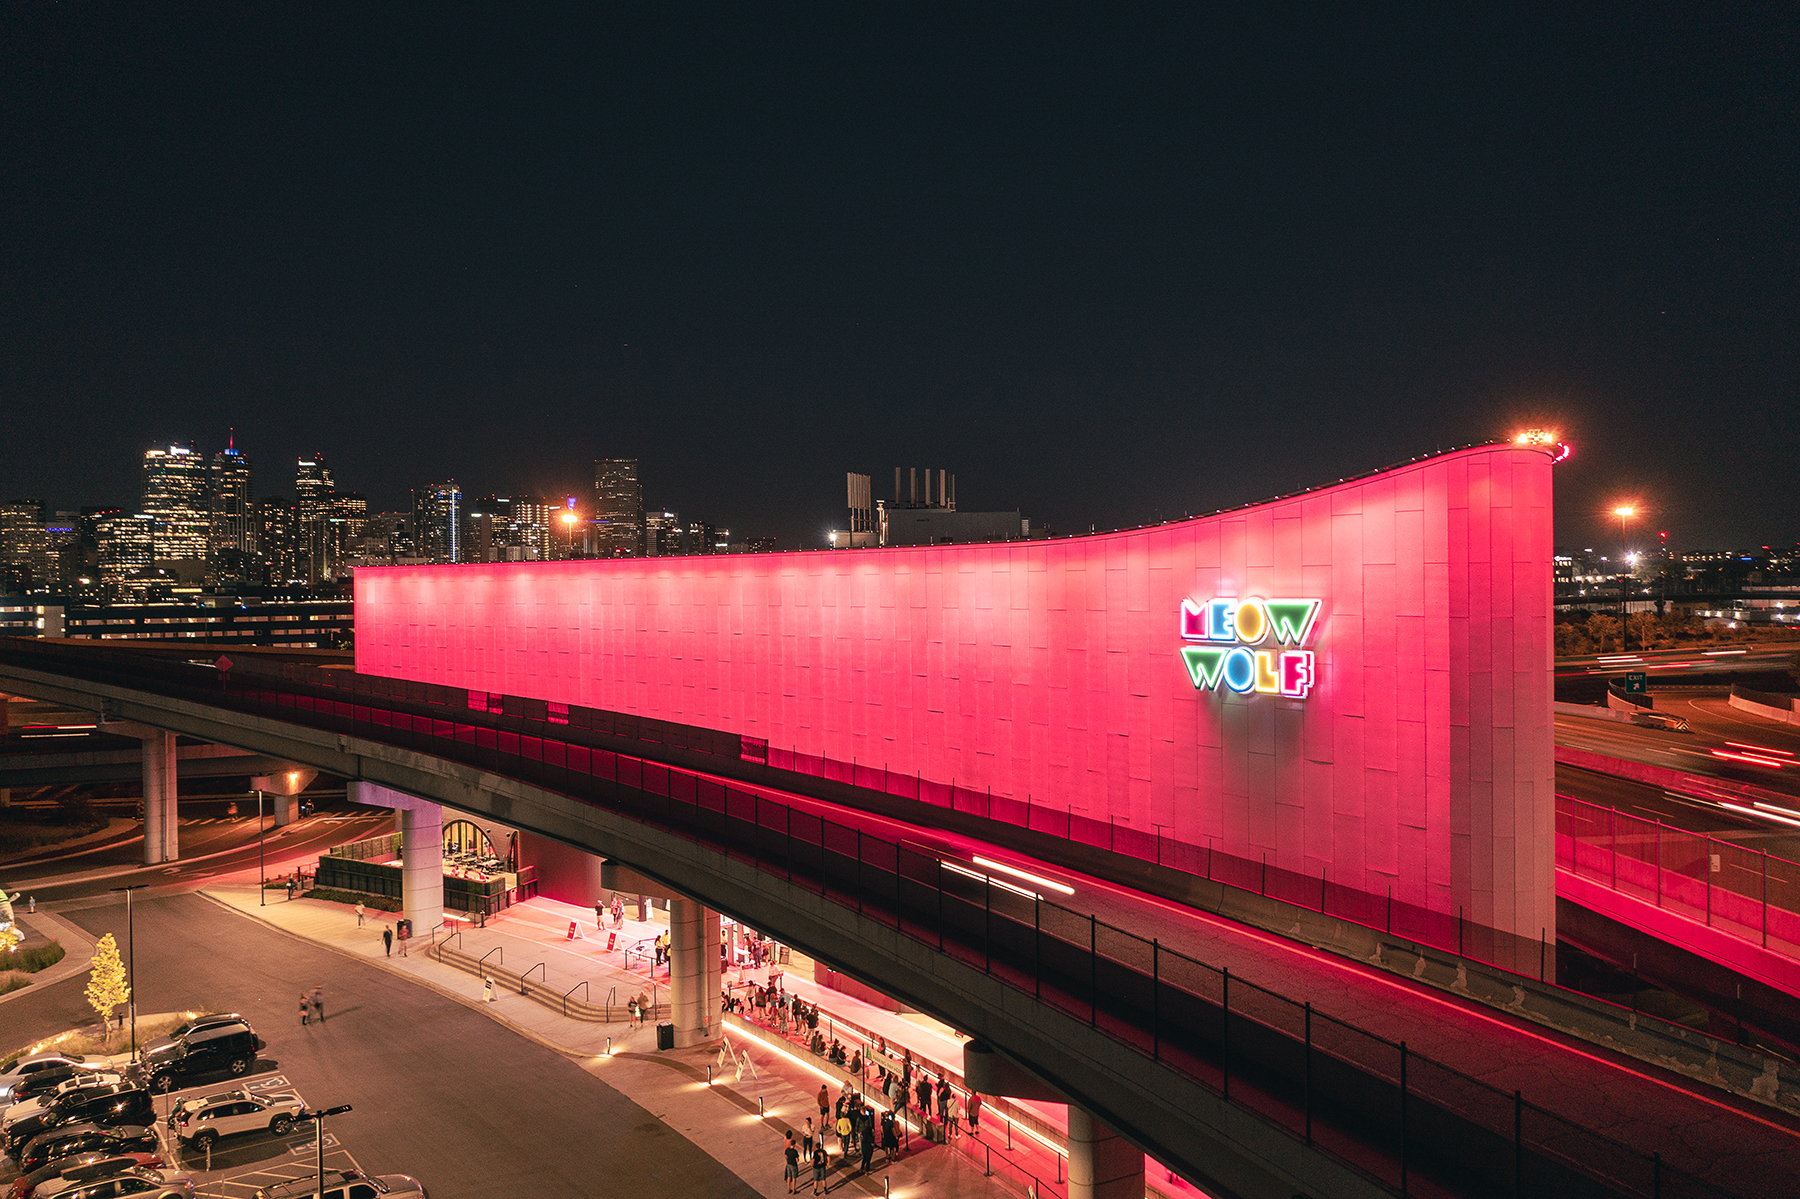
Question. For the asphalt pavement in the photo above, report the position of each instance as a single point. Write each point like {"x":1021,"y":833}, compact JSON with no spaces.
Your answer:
{"x":437,"y":1089}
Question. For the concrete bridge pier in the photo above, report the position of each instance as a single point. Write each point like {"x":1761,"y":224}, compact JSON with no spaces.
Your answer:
{"x":421,"y":852}
{"x":162,"y":829}
{"x":1102,"y":1164}
{"x":693,"y":971}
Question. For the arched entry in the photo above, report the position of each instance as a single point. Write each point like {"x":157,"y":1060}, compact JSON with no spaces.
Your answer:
{"x":464,"y":839}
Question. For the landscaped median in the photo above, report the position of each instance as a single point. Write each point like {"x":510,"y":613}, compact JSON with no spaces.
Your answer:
{"x":23,"y":963}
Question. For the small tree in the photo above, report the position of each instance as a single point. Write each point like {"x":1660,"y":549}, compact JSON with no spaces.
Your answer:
{"x":107,"y":989}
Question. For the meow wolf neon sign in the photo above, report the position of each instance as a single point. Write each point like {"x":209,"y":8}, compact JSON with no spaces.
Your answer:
{"x":1227,"y":629}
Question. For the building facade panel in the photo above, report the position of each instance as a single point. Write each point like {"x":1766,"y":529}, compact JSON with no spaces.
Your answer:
{"x":1420,"y":759}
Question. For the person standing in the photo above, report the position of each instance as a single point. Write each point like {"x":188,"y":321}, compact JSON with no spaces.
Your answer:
{"x":820,"y":1164}
{"x":318,"y":998}
{"x":866,"y":1136}
{"x":824,"y":1111}
{"x":953,"y":1121}
{"x":791,"y":1167}
{"x":806,"y":1140}
{"x":924,"y":1093}
{"x":845,"y":1130}
{"x":359,"y":914}
{"x":305,"y":1009}
{"x":943,"y":1101}
{"x":599,"y":915}
{"x":387,"y":939}
{"x":902,"y":1097}
{"x":974,"y":1113}
{"x":405,"y":936}
{"x":890,"y":1139}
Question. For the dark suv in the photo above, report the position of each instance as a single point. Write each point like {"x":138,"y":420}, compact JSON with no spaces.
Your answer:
{"x":228,"y":1046}
{"x":111,"y":1105}
{"x":72,"y":1139}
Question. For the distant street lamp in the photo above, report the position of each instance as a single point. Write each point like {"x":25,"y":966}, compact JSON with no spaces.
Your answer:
{"x":317,"y":1116}
{"x":569,"y":519}
{"x":1624,"y":512}
{"x":131,"y":959}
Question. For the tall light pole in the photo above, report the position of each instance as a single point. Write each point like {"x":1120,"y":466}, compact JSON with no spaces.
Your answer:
{"x":569,"y":519}
{"x":317,"y":1116}
{"x":262,"y":872}
{"x":131,"y":959}
{"x":1624,"y":512}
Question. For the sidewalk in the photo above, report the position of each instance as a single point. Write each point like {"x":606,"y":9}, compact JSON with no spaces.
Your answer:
{"x":672,"y":1085}
{"x":78,"y":949}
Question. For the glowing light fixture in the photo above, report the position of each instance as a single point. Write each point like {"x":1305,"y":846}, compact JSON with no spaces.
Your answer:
{"x":1233,"y":626}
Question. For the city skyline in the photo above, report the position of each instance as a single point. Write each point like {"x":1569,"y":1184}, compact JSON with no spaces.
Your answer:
{"x":1106,"y":271}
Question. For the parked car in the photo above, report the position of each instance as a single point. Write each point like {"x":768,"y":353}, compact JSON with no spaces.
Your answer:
{"x":146,"y":1181}
{"x":113,"y":1104}
{"x":347,"y":1184}
{"x":201,"y":1122}
{"x":46,"y":1081}
{"x":229,"y":1046}
{"x":31,"y":1064}
{"x":89,"y":1167}
{"x":72,"y":1139}
{"x":41,"y":1101}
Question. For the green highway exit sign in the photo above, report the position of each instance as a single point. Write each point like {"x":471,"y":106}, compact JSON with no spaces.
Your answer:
{"x":1637,"y":683}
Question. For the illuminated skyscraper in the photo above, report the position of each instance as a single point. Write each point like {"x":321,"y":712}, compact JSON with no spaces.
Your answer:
{"x":437,"y":522}
{"x":618,"y":508}
{"x":233,"y":521}
{"x":175,"y":497}
{"x":24,"y":546}
{"x":275,"y":540}
{"x":127,"y":543}
{"x":313,"y":486}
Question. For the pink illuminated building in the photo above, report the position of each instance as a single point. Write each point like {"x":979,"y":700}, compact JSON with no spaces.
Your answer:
{"x":1353,"y":680}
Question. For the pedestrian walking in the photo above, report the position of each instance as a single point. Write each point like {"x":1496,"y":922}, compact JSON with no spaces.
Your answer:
{"x":618,"y":911}
{"x":866,"y":1137}
{"x":31,"y":905}
{"x":845,"y":1131}
{"x":599,"y":915}
{"x":791,"y":1169}
{"x":318,"y":998}
{"x":405,"y":936}
{"x":387,"y":939}
{"x":806,"y":1140}
{"x":901,"y":1099}
{"x":305,"y":1009}
{"x":359,"y":914}
{"x":290,"y":888}
{"x":820,"y":1164}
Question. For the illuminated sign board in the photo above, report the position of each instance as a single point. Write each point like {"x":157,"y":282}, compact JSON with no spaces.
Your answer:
{"x":1223,"y":636}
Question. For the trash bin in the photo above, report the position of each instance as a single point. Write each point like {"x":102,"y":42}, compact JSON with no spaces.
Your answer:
{"x":665,"y":1035}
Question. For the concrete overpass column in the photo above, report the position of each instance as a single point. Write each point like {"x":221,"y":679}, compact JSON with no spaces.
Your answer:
{"x":693,"y":971}
{"x":282,"y":808}
{"x":162,"y":840}
{"x":422,"y":870}
{"x":1102,"y":1164}
{"x":421,"y":851}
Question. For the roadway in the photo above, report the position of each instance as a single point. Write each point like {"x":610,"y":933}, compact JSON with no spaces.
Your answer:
{"x":1687,"y":660}
{"x":439,"y":1090}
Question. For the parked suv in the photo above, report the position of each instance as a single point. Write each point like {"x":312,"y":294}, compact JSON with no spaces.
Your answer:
{"x":203,"y":1048}
{"x":146,"y":1181}
{"x":71,"y":1139}
{"x":347,"y":1184}
{"x":113,"y":1105}
{"x":201,"y":1122}
{"x":84,"y":1167}
{"x":23,"y":1069}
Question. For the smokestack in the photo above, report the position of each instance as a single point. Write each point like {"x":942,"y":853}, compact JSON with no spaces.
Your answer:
{"x":912,"y":486}
{"x":943,"y":499}
{"x":896,"y":487}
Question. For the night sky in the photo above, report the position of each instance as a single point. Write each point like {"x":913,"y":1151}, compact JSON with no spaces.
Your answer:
{"x":1107,"y":264}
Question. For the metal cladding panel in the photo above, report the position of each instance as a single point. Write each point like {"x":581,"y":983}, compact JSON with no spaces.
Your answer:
{"x":1421,"y":759}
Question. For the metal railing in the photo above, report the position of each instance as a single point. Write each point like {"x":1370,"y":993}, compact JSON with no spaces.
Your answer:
{"x":1745,"y":893}
{"x":1402,"y":1119}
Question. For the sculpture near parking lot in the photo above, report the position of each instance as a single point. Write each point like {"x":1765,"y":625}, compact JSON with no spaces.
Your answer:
{"x":10,"y":936}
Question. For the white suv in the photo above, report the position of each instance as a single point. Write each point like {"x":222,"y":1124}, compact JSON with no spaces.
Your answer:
{"x":200,"y":1122}
{"x":348,"y":1184}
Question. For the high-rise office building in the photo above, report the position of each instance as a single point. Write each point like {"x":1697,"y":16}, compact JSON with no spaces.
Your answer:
{"x":530,"y":528}
{"x":175,"y":497}
{"x":437,"y":522}
{"x":276,"y":541}
{"x":233,"y":522}
{"x":618,"y":508}
{"x":127,"y":552}
{"x":313,"y":486}
{"x":24,"y":546}
{"x":662,"y":534}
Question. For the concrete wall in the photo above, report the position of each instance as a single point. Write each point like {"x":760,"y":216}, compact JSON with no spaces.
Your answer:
{"x":1421,"y":760}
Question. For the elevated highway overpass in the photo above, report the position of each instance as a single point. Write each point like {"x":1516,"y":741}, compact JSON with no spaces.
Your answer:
{"x":1191,"y":1036}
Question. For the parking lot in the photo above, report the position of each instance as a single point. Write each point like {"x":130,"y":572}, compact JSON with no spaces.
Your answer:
{"x":239,"y":1165}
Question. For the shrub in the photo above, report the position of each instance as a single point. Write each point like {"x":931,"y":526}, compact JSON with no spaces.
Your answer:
{"x":380,"y":903}
{"x":39,"y":956}
{"x":12,"y":980}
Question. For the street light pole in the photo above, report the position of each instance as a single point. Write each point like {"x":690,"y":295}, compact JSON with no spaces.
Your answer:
{"x":1624,"y":512}
{"x":131,"y":960}
{"x":262,"y":873}
{"x":318,"y":1119}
